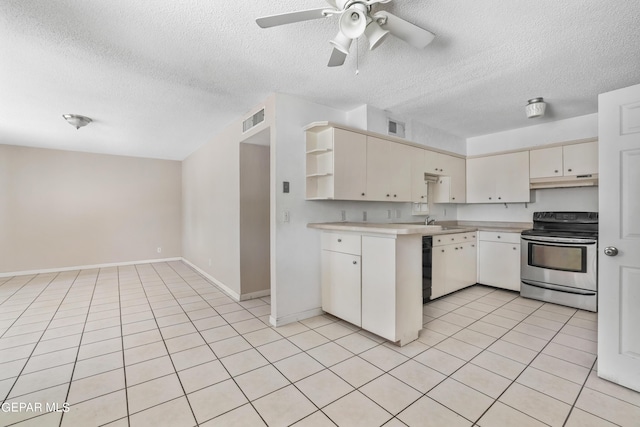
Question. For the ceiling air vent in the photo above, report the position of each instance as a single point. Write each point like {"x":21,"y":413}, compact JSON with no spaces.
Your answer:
{"x":395,"y":128}
{"x":253,"y":121}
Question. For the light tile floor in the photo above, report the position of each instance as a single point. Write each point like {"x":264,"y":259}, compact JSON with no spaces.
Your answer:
{"x":158,"y":345}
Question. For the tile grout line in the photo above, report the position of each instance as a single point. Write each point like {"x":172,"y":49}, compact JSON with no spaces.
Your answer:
{"x":175,"y":371}
{"x":269,"y":364}
{"x":38,"y":342}
{"x":124,"y":365}
{"x":525,"y":368}
{"x":95,"y":285}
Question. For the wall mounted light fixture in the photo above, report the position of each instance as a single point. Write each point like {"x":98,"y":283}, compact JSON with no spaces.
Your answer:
{"x":76,"y":120}
{"x":535,"y":108}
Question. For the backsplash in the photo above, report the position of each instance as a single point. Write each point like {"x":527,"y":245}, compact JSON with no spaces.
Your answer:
{"x":553,"y":199}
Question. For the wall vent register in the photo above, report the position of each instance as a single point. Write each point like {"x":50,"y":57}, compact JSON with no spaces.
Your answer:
{"x":253,"y":121}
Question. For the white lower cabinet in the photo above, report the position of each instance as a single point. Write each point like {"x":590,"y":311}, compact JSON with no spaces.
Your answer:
{"x":341,"y":280}
{"x":499,"y":259}
{"x":379,"y":288}
{"x":454,"y":260}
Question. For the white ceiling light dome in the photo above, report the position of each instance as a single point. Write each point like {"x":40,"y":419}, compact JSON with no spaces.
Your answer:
{"x":535,"y":108}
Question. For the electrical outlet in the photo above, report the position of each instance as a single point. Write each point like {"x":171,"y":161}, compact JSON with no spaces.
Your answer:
{"x":343,"y":215}
{"x":388,"y":213}
{"x":445,"y":212}
{"x":364,"y":215}
{"x":159,"y":249}
{"x":287,"y":216}
{"x":398,"y":213}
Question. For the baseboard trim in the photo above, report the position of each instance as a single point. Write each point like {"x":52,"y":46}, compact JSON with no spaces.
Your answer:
{"x":290,"y":318}
{"x":224,"y":288}
{"x":87,"y":267}
{"x":254,"y":295}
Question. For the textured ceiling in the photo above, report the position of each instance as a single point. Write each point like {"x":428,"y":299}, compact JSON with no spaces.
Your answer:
{"x":160,"y":77}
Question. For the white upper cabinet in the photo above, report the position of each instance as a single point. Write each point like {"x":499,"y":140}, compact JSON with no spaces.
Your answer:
{"x":419,"y":188}
{"x":580,"y":159}
{"x":567,"y":160}
{"x":501,"y":178}
{"x":451,"y":187}
{"x":336,"y":164}
{"x":545,"y":163}
{"x":388,"y":170}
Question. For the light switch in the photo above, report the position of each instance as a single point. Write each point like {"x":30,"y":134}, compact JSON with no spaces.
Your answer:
{"x":285,"y":186}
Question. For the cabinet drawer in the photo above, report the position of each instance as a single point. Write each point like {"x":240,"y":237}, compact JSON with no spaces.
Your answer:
{"x":496,"y":236}
{"x":342,"y":242}
{"x":449,"y":239}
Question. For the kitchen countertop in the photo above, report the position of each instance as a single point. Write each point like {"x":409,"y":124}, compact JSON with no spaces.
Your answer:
{"x":451,"y":227}
{"x":391,"y":228}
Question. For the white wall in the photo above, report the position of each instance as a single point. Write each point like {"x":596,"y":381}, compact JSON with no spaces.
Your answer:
{"x":552,"y":199}
{"x":563,"y":199}
{"x":581,"y":127}
{"x":64,"y":209}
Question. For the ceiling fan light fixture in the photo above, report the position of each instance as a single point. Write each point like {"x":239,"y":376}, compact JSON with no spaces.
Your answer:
{"x":341,"y":42}
{"x":375,"y":34}
{"x":76,"y":120}
{"x":535,"y":108}
{"x":353,"y":21}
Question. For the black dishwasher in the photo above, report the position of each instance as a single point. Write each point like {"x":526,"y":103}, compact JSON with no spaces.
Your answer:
{"x":427,"y":245}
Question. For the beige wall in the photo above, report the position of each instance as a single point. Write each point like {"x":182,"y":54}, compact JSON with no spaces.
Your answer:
{"x":255,"y":271}
{"x":211,"y":203}
{"x":63,"y":209}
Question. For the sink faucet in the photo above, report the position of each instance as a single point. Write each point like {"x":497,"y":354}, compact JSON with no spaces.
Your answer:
{"x":428,"y":221}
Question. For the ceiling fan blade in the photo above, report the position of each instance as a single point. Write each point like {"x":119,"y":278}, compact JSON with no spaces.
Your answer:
{"x":337,"y":58}
{"x":290,"y":18}
{"x":412,"y":34}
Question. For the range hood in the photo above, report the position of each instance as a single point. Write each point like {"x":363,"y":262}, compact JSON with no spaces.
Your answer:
{"x":590,"y":180}
{"x":430,"y":177}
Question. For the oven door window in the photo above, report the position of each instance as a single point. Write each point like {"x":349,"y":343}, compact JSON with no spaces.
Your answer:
{"x":564,"y":258}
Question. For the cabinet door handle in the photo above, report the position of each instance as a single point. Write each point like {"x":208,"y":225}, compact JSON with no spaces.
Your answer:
{"x":569,"y":170}
{"x":489,"y":198}
{"x":395,"y":195}
{"x":499,"y":237}
{"x":465,"y":237}
{"x":452,"y":239}
{"x":339,"y":240}
{"x":363,"y":194}
{"x":514,"y":248}
{"x":443,"y":250}
{"x":422,"y":197}
{"x":555,"y":171}
{"x":473,"y":246}
{"x":387,"y":195}
{"x":453,"y":198}
{"x":499,"y":198}
{"x":355,"y":262}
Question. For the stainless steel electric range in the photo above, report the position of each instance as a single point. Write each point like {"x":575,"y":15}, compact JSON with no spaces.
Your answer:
{"x":559,"y":259}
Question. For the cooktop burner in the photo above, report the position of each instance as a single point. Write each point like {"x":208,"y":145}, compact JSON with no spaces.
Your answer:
{"x":564,"y":224}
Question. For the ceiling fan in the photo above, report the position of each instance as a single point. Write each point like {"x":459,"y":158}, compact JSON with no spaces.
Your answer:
{"x":356,"y":19}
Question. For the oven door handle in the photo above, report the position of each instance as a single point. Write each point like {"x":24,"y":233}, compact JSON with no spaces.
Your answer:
{"x":559,"y":240}
{"x":559,"y":288}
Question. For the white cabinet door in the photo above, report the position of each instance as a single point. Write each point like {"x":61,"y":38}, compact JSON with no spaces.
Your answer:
{"x":481,"y":180}
{"x":379,"y":286}
{"x":499,"y":264}
{"x":439,"y":271}
{"x":377,"y":169}
{"x":350,"y":165}
{"x":468,"y":264}
{"x":545,"y":163}
{"x":512,"y":177}
{"x":580,"y":159}
{"x":419,"y":188}
{"x":434,"y":163}
{"x":457,"y":171}
{"x":341,"y":290}
{"x":619,"y":272}
{"x":502,"y":178}
{"x":399,"y":172}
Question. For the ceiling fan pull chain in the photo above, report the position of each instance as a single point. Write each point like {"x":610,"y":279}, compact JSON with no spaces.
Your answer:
{"x":357,"y":55}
